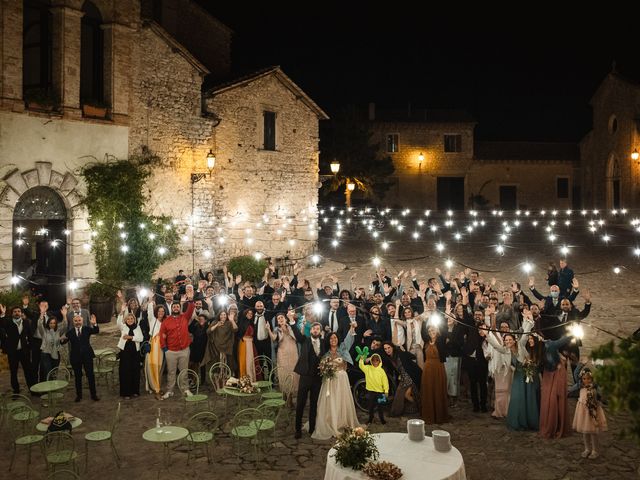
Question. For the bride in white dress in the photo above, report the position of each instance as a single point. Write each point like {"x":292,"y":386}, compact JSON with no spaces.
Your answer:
{"x":336,"y":409}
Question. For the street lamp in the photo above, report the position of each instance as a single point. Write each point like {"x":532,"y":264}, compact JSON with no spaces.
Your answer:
{"x":211,"y":161}
{"x":635,"y":155}
{"x":420,"y":160}
{"x":349,"y":190}
{"x":335,"y":167}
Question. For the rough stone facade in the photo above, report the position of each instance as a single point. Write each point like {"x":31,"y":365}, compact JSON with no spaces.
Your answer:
{"x":606,"y":150}
{"x":153,"y":85}
{"x":532,"y":169}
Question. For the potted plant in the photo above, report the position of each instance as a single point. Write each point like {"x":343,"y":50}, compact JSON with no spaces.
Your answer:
{"x":40,"y":99}
{"x":101,"y":301}
{"x":94,"y":109}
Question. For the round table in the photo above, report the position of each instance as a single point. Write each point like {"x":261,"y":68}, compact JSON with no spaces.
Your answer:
{"x":49,"y":387}
{"x":417,"y":460}
{"x":165,"y":435}
{"x":43,"y":426}
{"x":240,"y":396}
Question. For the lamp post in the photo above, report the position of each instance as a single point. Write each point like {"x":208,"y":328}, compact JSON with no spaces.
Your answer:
{"x":195,"y":178}
{"x":335,"y":167}
{"x":348,"y":191}
{"x":420,"y":160}
{"x":635,"y":155}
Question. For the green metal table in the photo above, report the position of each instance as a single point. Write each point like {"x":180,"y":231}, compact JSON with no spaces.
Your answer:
{"x":165,"y":435}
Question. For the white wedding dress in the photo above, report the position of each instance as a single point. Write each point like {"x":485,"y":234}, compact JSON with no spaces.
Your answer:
{"x":336,"y":409}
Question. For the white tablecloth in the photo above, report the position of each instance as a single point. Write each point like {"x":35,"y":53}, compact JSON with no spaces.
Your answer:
{"x":417,"y":460}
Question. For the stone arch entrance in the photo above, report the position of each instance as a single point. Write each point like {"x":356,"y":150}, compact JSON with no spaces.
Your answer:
{"x":613,"y":182}
{"x":59,"y":188}
{"x":40,"y":237}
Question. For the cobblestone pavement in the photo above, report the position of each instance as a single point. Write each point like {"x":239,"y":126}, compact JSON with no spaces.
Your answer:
{"x":490,"y":451}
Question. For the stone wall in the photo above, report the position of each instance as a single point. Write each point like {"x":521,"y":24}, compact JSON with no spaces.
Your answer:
{"x":619,"y":99}
{"x":416,"y":182}
{"x":273,"y":194}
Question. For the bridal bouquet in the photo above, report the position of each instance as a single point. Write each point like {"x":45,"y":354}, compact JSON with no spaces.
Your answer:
{"x":245,"y":385}
{"x":530,"y":371}
{"x":354,"y":448}
{"x":327,"y":367}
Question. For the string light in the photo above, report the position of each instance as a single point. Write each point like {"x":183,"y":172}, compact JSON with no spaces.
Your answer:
{"x":606,"y":238}
{"x":124,"y":248}
{"x":207,"y":254}
{"x":317,"y":307}
{"x":257,"y":256}
{"x":616,"y":270}
{"x":19,"y":242}
{"x":376,"y":261}
{"x":576,"y":330}
{"x":334,"y":243}
{"x":435,"y":319}
{"x":448,"y":263}
{"x":527,"y":267}
{"x":564,"y":250}
{"x":20,"y":229}
{"x":100,"y":223}
{"x":500,"y":249}
{"x":636,"y":252}
{"x":142,"y":226}
{"x":67,"y":231}
{"x":143,"y":293}
{"x":15,"y":280}
{"x":315,"y":258}
{"x":162,"y":250}
{"x":123,"y":235}
{"x":416,"y":235}
{"x":73,"y":284}
{"x":86,"y":247}
{"x":385,"y":245}
{"x":439,"y":247}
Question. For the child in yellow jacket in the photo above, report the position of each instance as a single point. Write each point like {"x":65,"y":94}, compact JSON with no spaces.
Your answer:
{"x":377,"y":386}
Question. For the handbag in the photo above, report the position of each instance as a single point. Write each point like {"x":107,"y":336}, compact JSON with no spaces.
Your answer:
{"x":145,"y":347}
{"x":60,"y":423}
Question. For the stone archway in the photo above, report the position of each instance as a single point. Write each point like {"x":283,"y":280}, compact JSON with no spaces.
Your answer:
{"x":17,"y":185}
{"x":39,"y":256}
{"x":613,"y":183}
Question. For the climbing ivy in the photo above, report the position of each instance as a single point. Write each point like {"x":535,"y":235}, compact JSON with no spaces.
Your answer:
{"x":115,"y":201}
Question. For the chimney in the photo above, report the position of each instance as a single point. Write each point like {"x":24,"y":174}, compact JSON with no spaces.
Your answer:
{"x":372,"y":111}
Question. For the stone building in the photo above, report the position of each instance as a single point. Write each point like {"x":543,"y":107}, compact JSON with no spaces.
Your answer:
{"x":439,"y":164}
{"x":142,"y":68}
{"x":610,"y":176}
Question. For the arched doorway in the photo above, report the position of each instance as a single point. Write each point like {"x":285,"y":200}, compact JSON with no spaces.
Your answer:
{"x":40,"y":243}
{"x":614,"y":195}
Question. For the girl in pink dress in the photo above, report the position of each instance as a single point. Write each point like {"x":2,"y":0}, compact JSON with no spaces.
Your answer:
{"x":589,"y":419}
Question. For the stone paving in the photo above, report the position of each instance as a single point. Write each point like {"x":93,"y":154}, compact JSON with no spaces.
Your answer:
{"x":490,"y":451}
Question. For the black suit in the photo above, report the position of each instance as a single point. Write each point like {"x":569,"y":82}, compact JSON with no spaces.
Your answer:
{"x":10,"y":336}
{"x":310,"y":380}
{"x":341,"y":323}
{"x":81,"y":356}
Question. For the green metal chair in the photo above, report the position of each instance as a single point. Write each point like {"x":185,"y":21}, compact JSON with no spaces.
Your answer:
{"x":245,"y":426}
{"x":267,"y":423}
{"x":202,"y":429}
{"x":274,"y":380}
{"x":265,"y":366}
{"x":105,"y":368}
{"x":56,"y":398}
{"x":63,"y":475}
{"x":190,"y":380}
{"x":219,"y":373}
{"x":25,"y":416}
{"x":281,"y":404}
{"x":22,"y":435}
{"x":60,"y":450}
{"x":103,"y":436}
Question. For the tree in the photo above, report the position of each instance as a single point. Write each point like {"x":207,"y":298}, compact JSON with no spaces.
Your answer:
{"x":347,"y":139}
{"x":128,"y":244}
{"x":620,"y":379}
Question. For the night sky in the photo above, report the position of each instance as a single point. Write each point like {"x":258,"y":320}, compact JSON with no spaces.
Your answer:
{"x":529,"y":78}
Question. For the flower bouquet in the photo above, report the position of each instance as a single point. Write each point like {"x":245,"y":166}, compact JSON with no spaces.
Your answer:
{"x":354,"y":448}
{"x":382,"y":471}
{"x":530,"y":371}
{"x":327,"y":367}
{"x":245,"y":385}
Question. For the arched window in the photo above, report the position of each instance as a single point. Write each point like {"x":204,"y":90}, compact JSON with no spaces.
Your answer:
{"x":36,"y":48}
{"x":91,"y":56}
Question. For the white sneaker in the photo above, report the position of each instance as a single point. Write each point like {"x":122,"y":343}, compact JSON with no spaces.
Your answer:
{"x":167,"y":395}
{"x":188,"y":393}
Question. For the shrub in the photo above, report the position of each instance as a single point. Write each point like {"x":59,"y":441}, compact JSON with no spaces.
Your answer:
{"x":247,"y":266}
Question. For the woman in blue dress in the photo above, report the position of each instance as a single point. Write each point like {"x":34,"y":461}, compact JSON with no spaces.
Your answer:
{"x":524,"y":404}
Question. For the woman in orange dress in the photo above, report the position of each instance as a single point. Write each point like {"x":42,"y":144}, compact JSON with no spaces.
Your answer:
{"x":247,"y":352}
{"x":433,"y":390}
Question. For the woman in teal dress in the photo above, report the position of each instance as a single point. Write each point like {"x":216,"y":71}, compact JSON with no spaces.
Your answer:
{"x":524,"y":404}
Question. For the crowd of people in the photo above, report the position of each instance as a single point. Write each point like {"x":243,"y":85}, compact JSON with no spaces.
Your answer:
{"x":420,"y":343}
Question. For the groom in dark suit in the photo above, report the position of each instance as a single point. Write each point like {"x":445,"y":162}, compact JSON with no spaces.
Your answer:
{"x":81,"y":354}
{"x":311,"y":351}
